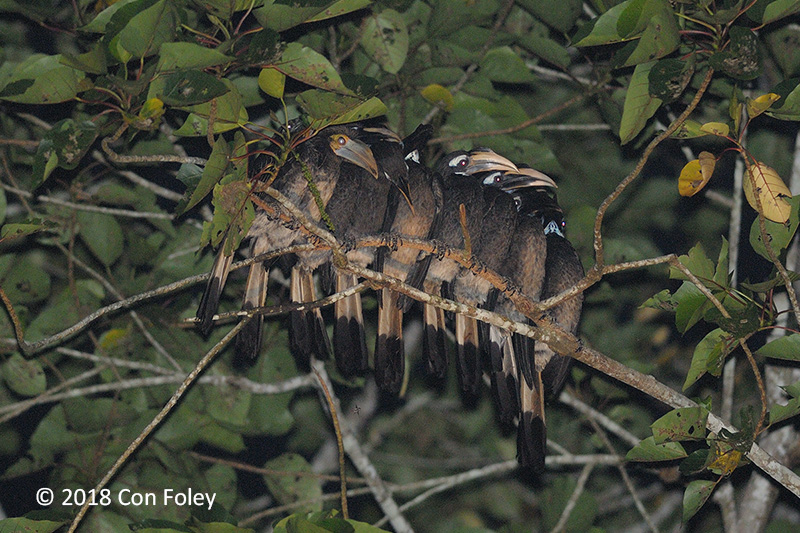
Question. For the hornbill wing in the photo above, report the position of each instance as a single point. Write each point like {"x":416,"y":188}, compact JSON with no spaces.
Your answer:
{"x":564,"y":270}
{"x":319,"y":155}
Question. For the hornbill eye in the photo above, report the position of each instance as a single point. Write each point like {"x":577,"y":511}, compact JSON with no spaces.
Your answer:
{"x":339,"y":139}
{"x":459,"y":162}
{"x":493,"y":179}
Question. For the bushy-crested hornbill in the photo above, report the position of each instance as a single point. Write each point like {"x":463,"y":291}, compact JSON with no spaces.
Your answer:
{"x":542,"y":263}
{"x":420,"y":221}
{"x":358,"y":207}
{"x":320,"y":157}
{"x":475,"y":217}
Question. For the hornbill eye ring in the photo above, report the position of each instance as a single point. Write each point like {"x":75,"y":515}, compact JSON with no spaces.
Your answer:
{"x":493,"y":178}
{"x":340,"y":139}
{"x":460,"y":161}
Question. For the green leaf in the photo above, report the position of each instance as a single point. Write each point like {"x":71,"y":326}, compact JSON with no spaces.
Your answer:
{"x":24,"y":377}
{"x":102,"y":234}
{"x":660,"y":37}
{"x":224,"y":9}
{"x":713,"y":345}
{"x":778,"y":413}
{"x":309,"y":66}
{"x":272,"y":82}
{"x":546,"y":49}
{"x":27,"y":281}
{"x":3,"y":206}
{"x":260,"y":48}
{"x":740,"y":60}
{"x":780,"y":235}
{"x":504,"y":65}
{"x":338,"y":8}
{"x":190,"y":87}
{"x":639,"y":105}
{"x":766,"y":11}
{"x":282,"y":15}
{"x":648,"y":450}
{"x":691,"y":304}
{"x":697,"y":492}
{"x":669,"y":77}
{"x":140,"y":28}
{"x":177,"y":55}
{"x":326,"y":108}
{"x":385,"y":39}
{"x":229,"y":405}
{"x":215,"y":168}
{"x":603,"y":29}
{"x":788,"y":107}
{"x":685,"y":423}
{"x":721,"y":274}
{"x":229,"y":113}
{"x":559,"y":14}
{"x":42,"y":79}
{"x":29,"y":227}
{"x":698,"y":264}
{"x":689,"y":130}
{"x":786,"y":347}
{"x":288,"y":485}
{"x":66,"y":144}
{"x":18,"y":524}
{"x":233,"y":215}
{"x":65,"y":309}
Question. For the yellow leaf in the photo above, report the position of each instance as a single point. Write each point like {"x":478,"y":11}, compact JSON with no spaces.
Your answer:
{"x":726,"y":462}
{"x":272,"y":82}
{"x":763,"y":181}
{"x":695,"y":174}
{"x":758,"y":105}
{"x":716,"y":128}
{"x":152,"y":108}
{"x":113,"y":338}
{"x":438,"y":96}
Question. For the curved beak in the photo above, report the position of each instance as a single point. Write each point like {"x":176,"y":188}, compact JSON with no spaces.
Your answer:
{"x":355,"y":152}
{"x":483,"y":160}
{"x":526,"y":177}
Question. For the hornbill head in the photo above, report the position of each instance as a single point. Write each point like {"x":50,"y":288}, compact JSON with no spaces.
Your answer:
{"x":354,"y":151}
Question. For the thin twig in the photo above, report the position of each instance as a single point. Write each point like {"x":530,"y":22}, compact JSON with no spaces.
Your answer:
{"x":381,"y":493}
{"x":573,"y":499}
{"x":601,"y":211}
{"x":338,"y":430}
{"x":137,"y":442}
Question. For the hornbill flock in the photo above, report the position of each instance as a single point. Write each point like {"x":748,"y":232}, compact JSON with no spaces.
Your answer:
{"x":360,"y":179}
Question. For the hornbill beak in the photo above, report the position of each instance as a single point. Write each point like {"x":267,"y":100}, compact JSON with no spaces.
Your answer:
{"x":355,"y":152}
{"x":526,"y":177}
{"x":388,"y":136}
{"x":483,"y":160}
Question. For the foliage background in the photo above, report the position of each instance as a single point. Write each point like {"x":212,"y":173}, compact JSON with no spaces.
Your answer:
{"x":84,"y":228}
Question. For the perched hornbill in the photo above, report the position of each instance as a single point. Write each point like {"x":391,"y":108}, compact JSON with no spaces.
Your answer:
{"x":484,"y":218}
{"x":321,"y":156}
{"x":542,"y":263}
{"x":357,"y":208}
{"x":420,"y":221}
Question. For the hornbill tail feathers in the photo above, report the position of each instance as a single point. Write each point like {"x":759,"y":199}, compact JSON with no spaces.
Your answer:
{"x":389,"y":350}
{"x":349,"y":342}
{"x":210,"y":300}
